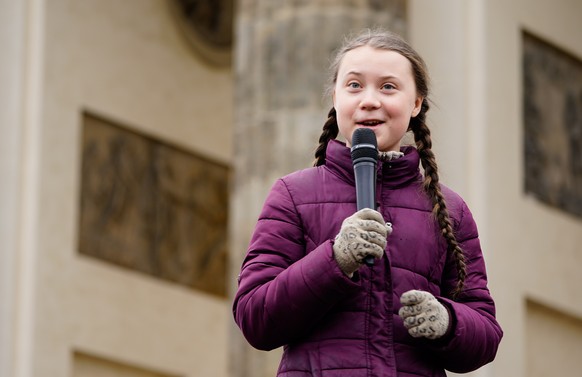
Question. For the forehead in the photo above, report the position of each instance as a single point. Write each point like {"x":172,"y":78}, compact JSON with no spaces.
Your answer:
{"x":372,"y":60}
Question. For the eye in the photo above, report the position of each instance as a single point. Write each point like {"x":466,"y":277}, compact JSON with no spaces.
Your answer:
{"x":354,"y":85}
{"x":388,"y":86}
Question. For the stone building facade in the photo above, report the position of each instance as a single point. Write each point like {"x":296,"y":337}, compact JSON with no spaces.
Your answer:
{"x":138,"y":140}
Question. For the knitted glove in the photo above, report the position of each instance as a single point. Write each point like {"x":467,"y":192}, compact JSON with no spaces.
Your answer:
{"x":423,"y":315}
{"x":363,"y":233}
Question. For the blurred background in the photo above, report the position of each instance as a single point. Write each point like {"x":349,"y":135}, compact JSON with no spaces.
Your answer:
{"x":138,"y":140}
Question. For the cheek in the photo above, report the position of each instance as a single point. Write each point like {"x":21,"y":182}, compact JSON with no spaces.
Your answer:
{"x":344,"y":111}
{"x":402,"y":109}
{"x":344,"y":125}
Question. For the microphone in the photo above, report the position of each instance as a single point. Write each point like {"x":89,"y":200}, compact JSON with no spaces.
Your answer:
{"x":364,"y":153}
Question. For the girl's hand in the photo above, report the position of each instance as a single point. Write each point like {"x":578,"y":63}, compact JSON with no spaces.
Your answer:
{"x":423,"y":315}
{"x":363,"y":233}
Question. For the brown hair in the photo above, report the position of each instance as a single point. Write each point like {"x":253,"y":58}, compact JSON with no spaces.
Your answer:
{"x":385,"y":40}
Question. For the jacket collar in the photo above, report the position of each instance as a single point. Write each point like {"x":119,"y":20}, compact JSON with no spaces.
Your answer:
{"x":392,"y":174}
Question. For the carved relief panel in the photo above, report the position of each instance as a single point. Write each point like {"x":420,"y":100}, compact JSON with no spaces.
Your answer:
{"x":552,"y":111}
{"x":152,"y":207}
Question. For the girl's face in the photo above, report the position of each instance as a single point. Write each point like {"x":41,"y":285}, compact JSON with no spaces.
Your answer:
{"x":375,"y":88}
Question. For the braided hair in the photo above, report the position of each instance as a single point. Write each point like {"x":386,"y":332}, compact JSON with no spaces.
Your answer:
{"x":385,"y":40}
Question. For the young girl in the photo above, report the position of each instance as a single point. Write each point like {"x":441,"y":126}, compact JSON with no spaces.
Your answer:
{"x":424,"y":306}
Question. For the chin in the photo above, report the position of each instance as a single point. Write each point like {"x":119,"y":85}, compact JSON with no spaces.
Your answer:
{"x":383,"y":148}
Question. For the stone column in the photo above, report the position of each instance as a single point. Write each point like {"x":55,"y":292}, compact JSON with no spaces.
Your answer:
{"x":12,"y":45}
{"x":20,"y":89}
{"x":282,"y":52}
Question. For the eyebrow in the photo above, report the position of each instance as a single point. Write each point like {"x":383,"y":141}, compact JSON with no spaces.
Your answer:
{"x":357,"y":73}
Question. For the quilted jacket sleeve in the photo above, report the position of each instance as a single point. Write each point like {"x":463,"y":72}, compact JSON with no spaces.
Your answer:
{"x":476,"y":333}
{"x":283,"y":291}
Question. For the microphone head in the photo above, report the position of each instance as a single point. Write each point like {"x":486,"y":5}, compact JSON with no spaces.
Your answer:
{"x":364,"y":144}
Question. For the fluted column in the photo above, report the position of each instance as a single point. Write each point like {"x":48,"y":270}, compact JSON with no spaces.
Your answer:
{"x":282,"y":52}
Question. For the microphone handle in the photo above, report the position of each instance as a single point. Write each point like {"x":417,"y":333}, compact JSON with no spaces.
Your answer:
{"x":365,"y":173}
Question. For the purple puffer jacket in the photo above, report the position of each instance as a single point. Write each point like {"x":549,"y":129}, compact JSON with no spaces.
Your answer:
{"x":291,"y":292}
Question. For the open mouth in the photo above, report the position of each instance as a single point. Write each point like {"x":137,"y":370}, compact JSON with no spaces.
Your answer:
{"x":370,"y":123}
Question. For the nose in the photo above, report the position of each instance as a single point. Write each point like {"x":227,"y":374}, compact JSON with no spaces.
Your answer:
{"x":369,"y":100}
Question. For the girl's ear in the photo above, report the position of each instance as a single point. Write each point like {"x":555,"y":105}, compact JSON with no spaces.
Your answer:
{"x":417,"y":106}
